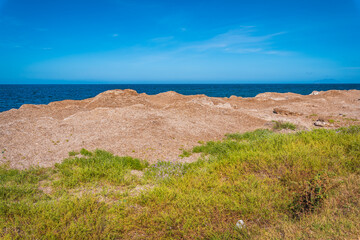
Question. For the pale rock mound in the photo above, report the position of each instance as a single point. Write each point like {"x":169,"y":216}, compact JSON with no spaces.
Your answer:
{"x":155,"y":127}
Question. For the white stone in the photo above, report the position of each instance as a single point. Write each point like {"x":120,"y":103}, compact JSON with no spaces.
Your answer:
{"x":315,"y":93}
{"x":240,"y":224}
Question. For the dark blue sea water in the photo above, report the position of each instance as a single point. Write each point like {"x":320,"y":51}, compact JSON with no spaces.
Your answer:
{"x":13,"y":96}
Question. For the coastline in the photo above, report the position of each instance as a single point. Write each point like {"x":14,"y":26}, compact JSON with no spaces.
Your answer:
{"x":156,"y":127}
{"x":15,"y":95}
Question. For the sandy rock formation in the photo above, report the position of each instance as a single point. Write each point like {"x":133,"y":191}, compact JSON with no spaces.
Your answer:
{"x":155,"y":127}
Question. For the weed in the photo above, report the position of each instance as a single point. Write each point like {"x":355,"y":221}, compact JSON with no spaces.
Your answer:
{"x":278,"y":125}
{"x":165,"y":170}
{"x":303,"y":185}
{"x":185,"y":153}
{"x":73,"y":153}
{"x":350,"y":130}
{"x":85,"y":152}
{"x":97,"y":166}
{"x":255,"y":135}
{"x":55,"y":142}
{"x":310,"y":195}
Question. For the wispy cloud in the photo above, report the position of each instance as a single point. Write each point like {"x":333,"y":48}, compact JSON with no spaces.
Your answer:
{"x":241,"y":41}
{"x":222,"y":56}
{"x":280,"y":53}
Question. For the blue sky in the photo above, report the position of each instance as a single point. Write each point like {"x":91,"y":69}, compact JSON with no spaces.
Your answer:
{"x":213,"y":41}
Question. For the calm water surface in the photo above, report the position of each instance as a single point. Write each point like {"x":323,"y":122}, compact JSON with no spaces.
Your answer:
{"x":13,"y":96}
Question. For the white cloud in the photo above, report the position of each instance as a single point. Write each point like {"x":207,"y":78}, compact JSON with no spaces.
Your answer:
{"x":280,"y":53}
{"x":240,"y":41}
{"x":237,"y":54}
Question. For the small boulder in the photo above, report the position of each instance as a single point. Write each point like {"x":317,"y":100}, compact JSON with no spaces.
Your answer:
{"x":315,"y":93}
{"x":285,"y":112}
{"x":320,"y":123}
{"x":240,"y":224}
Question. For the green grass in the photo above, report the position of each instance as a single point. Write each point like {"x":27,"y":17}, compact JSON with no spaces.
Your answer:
{"x":96,"y":167}
{"x":185,"y":153}
{"x":304,"y":185}
{"x":278,"y":125}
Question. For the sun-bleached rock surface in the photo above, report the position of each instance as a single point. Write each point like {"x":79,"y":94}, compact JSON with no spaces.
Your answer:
{"x":156,"y":127}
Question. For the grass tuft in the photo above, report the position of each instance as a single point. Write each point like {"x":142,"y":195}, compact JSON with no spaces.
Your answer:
{"x":304,"y":185}
{"x":97,"y":166}
{"x":310,"y":195}
{"x":278,"y":125}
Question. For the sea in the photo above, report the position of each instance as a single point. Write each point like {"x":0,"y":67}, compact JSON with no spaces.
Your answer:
{"x":15,"y":95}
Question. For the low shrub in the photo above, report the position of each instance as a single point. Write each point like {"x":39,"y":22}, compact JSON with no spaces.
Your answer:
{"x":283,"y":125}
{"x":310,"y":195}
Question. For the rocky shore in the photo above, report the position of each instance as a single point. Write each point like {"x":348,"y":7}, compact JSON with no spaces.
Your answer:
{"x":156,"y":127}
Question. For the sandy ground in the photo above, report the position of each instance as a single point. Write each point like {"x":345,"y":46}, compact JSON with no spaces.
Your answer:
{"x":156,"y":127}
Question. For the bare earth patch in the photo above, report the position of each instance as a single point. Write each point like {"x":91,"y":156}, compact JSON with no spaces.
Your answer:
{"x":156,"y":127}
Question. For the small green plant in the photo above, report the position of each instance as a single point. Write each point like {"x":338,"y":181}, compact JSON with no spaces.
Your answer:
{"x":97,"y":166}
{"x":85,"y":152}
{"x":73,"y":153}
{"x":278,"y":125}
{"x":350,"y":130}
{"x":165,"y":170}
{"x":185,"y":153}
{"x":310,"y":195}
{"x":250,"y":136}
{"x":331,"y":120}
{"x":283,"y":186}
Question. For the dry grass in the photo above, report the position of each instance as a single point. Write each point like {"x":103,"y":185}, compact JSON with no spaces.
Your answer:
{"x":304,"y":185}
